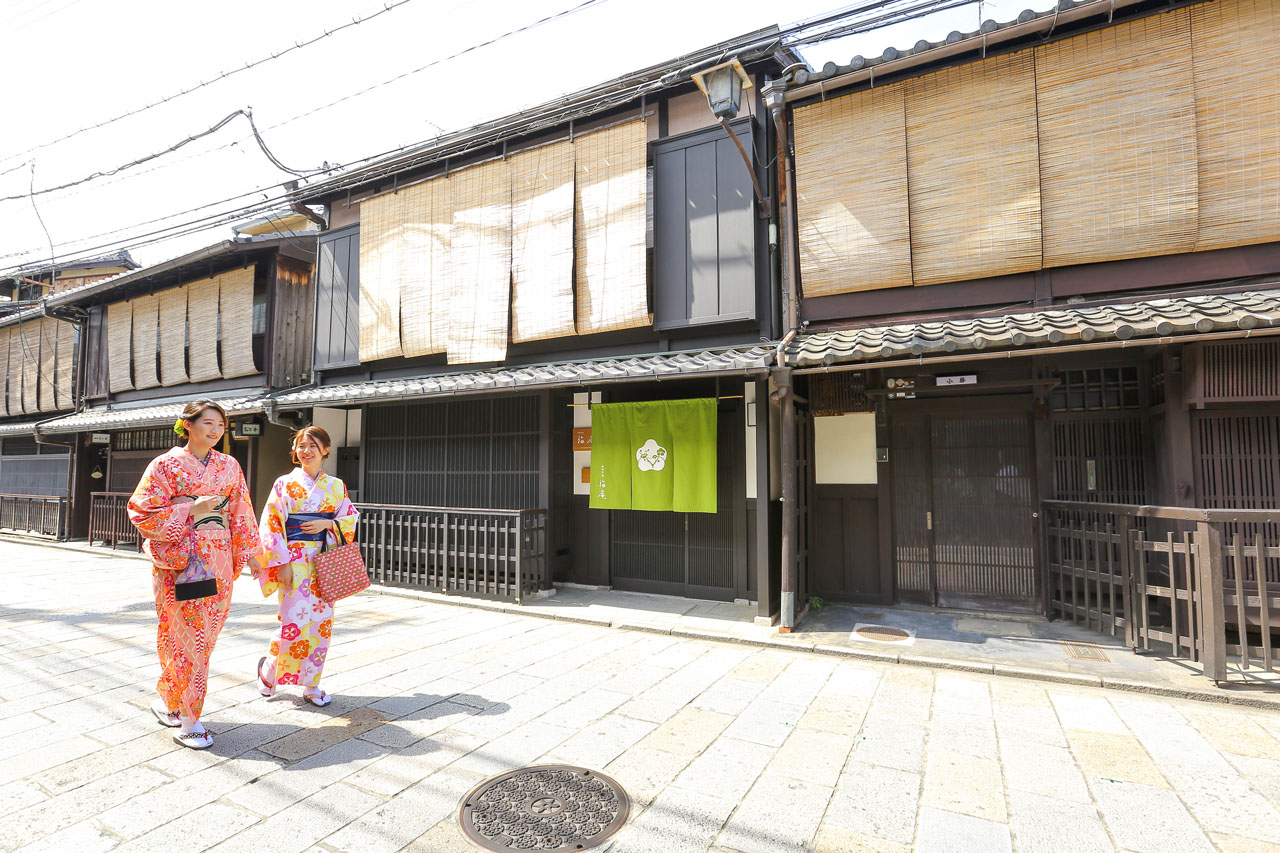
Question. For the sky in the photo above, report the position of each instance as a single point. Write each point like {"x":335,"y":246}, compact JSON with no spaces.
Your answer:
{"x":70,"y":64}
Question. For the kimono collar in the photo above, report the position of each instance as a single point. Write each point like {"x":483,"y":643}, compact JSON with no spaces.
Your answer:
{"x":182,"y":451}
{"x":302,"y":475}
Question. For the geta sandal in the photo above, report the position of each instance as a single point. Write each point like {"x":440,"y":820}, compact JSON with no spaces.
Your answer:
{"x":263,"y":687}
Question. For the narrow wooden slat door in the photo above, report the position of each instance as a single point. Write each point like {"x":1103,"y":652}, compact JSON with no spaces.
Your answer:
{"x":984,"y":532}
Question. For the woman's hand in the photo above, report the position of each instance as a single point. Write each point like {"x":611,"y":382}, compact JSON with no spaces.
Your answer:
{"x":284,"y":576}
{"x":317,"y":525}
{"x":206,"y":504}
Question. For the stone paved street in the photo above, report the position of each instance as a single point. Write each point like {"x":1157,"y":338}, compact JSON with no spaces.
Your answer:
{"x":721,"y":746}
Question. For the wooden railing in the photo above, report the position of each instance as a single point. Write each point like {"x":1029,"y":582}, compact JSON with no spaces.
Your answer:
{"x":1182,"y":581}
{"x":43,"y":515}
{"x":494,"y":553}
{"x":109,"y":520}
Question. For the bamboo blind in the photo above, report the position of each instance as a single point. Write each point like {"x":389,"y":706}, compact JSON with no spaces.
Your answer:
{"x":119,"y":345}
{"x":4,"y":372}
{"x":610,"y":204}
{"x":202,"y":319}
{"x":235,"y":318}
{"x":542,"y":243}
{"x":30,"y":339}
{"x":974,"y":171}
{"x":1237,"y":74}
{"x":12,"y":392}
{"x":173,"y":336}
{"x":424,"y":269}
{"x":851,"y":193}
{"x":1117,"y":142}
{"x":48,"y":334}
{"x":480,"y":264}
{"x":65,"y":388}
{"x":383,"y":271}
{"x":146,"y":324}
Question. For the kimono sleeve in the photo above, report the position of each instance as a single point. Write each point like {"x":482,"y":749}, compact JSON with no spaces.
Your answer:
{"x":271,"y":535}
{"x":346,"y":515}
{"x":245,"y":545}
{"x":152,"y":510}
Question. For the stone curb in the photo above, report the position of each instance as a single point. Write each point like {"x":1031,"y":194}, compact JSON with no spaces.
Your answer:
{"x":868,"y":655}
{"x":906,"y":659}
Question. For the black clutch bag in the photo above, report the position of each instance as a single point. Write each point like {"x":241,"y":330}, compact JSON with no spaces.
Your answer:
{"x":197,"y":580}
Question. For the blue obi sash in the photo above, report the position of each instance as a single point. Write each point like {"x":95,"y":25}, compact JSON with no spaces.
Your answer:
{"x":293,"y":526}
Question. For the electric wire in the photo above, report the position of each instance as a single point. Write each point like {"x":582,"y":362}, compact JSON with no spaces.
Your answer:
{"x":247,"y":113}
{"x":387,"y":7}
{"x":601,"y":103}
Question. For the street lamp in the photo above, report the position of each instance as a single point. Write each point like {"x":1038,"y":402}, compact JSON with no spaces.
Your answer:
{"x":723,"y":85}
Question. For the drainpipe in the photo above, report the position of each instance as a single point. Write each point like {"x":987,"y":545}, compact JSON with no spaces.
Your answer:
{"x":292,"y":422}
{"x":773,"y":93}
{"x":298,"y":207}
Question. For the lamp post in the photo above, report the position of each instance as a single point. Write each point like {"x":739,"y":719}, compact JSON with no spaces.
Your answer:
{"x":723,"y":85}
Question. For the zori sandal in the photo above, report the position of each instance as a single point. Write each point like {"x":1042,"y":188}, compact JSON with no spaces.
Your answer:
{"x":194,"y":740}
{"x":318,"y":699}
{"x":265,"y":688}
{"x":164,"y":715}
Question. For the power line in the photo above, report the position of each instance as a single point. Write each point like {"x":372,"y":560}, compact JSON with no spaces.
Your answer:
{"x":32,"y":23}
{"x":602,"y":102}
{"x":204,"y":83}
{"x":247,"y":113}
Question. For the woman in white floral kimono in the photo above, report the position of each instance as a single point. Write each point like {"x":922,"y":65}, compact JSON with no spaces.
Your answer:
{"x":305,"y":507}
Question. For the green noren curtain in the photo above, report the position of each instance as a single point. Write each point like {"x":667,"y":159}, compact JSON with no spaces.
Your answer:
{"x":657,"y":456}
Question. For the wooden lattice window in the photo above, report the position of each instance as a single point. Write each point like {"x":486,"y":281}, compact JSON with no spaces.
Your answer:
{"x":160,"y":438}
{"x":1235,"y":371}
{"x":1097,"y":389}
{"x":838,"y":393}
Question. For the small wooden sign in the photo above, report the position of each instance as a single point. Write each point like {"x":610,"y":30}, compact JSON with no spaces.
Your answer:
{"x":586,"y":475}
{"x":582,"y":439}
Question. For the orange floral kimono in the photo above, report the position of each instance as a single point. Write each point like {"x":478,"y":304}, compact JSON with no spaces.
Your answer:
{"x":189,"y":629}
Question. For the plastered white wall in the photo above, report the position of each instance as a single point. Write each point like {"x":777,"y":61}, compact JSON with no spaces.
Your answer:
{"x":844,"y":449}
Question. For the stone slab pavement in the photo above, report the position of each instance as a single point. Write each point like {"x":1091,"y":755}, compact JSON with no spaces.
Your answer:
{"x":722,"y":746}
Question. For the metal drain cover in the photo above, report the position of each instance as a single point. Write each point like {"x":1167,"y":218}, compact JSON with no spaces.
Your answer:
{"x":549,"y":807}
{"x":883,"y":634}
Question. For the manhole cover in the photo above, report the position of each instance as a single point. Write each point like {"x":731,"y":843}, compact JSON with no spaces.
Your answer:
{"x":1084,"y":651}
{"x":883,"y":634}
{"x":550,"y":807}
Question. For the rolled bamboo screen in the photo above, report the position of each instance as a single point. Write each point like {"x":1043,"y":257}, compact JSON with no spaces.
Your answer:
{"x":424,"y":271}
{"x":384,"y":221}
{"x":48,"y":364}
{"x":542,"y":243}
{"x":4,"y":372}
{"x":30,"y":332}
{"x":480,"y":264}
{"x":146,"y":325}
{"x":119,"y":346}
{"x":973,"y":169}
{"x":173,"y":336}
{"x":610,"y":239}
{"x":235,"y":310}
{"x":66,"y":366}
{"x":851,"y":193}
{"x":1237,"y":73}
{"x":13,"y":358}
{"x":1118,"y":142}
{"x":202,"y":319}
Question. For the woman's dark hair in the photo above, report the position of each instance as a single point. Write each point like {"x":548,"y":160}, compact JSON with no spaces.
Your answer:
{"x":192,"y":412}
{"x":316,"y":434}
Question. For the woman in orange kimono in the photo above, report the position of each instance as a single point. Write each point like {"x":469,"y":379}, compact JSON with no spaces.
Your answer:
{"x":192,"y":508}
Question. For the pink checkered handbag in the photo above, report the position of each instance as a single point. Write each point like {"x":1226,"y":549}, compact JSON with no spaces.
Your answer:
{"x":340,"y":572}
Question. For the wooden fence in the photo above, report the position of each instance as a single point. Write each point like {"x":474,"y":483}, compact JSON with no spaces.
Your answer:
{"x":1185,"y":580}
{"x":486,"y":552}
{"x":109,"y":520}
{"x":43,"y":515}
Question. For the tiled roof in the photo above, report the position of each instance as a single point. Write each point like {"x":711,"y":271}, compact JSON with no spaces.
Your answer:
{"x":1156,"y":318}
{"x":145,"y":414}
{"x":20,"y":428}
{"x":558,"y":375}
{"x":990,"y":33}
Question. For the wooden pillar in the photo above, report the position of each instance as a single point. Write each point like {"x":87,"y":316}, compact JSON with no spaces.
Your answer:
{"x":1178,"y":450}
